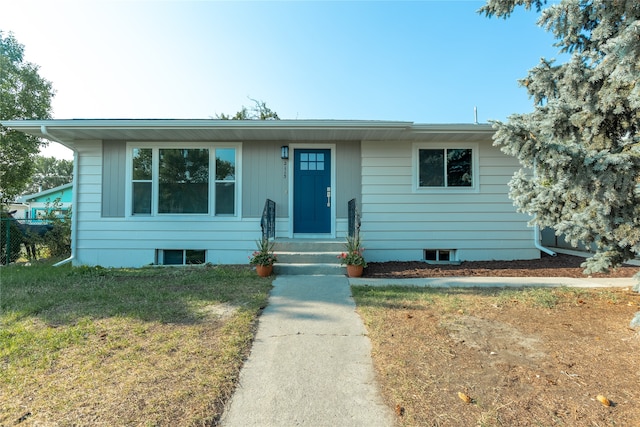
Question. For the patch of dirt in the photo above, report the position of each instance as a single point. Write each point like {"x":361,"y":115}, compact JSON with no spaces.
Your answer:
{"x":492,"y":336}
{"x":221,"y":311}
{"x":561,"y":265}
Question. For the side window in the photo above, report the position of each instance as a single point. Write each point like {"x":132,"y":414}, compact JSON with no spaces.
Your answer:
{"x":445,"y":167}
{"x":142,"y":181}
{"x":225,"y":181}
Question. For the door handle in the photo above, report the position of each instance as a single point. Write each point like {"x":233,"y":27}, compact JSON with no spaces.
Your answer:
{"x":328,"y":197}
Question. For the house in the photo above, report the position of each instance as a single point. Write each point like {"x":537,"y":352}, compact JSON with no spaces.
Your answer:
{"x":20,"y":210}
{"x":180,"y":191}
{"x":40,"y":203}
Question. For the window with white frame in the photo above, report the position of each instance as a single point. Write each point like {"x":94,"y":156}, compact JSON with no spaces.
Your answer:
{"x":168,"y":180}
{"x":225,"y":187}
{"x":446,"y":167}
{"x":142,"y":180}
{"x":180,"y":256}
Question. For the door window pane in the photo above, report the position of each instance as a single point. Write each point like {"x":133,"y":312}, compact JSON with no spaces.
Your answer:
{"x":311,"y":161}
{"x":320,"y":161}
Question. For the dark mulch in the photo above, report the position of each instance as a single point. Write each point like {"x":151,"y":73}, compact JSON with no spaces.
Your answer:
{"x":561,"y":265}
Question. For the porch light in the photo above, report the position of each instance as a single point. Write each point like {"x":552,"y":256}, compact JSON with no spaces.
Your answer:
{"x":284,"y":152}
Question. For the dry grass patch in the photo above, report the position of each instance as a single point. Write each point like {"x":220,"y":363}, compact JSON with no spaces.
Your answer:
{"x":527,"y":357}
{"x":124,"y":347}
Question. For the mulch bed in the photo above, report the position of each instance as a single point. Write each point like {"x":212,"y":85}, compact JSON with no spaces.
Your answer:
{"x":562,"y":265}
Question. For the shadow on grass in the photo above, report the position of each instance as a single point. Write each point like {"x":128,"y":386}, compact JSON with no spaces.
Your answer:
{"x":64,"y":295}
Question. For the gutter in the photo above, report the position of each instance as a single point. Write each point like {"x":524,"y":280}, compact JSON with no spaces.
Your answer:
{"x":536,"y":227}
{"x":537,"y":244}
{"x":74,"y":196}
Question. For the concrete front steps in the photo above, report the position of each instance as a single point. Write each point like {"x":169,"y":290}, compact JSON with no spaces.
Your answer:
{"x":308,"y":257}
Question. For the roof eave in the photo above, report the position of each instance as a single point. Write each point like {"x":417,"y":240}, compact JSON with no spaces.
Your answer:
{"x":68,"y":131}
{"x":27,"y":197}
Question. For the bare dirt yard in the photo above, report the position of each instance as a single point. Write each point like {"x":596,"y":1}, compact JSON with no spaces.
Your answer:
{"x":521,"y":357}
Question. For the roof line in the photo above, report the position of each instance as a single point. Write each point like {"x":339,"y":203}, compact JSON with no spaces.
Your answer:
{"x":45,"y":192}
{"x":204,"y":123}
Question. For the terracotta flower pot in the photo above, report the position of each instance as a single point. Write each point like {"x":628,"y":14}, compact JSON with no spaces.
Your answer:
{"x":354,"y":270}
{"x":264,"y":270}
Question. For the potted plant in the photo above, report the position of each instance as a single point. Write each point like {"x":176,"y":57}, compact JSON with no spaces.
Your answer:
{"x":263,"y":258}
{"x":352,"y":257}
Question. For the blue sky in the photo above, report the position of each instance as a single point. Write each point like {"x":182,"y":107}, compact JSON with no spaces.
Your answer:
{"x":421,"y":61}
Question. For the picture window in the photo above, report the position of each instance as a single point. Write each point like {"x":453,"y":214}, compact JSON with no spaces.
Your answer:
{"x":183,"y":181}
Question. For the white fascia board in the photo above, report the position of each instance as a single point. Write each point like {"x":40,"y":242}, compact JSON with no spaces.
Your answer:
{"x":453,"y":127}
{"x":62,"y":130}
{"x":201,"y":123}
{"x":39,"y":127}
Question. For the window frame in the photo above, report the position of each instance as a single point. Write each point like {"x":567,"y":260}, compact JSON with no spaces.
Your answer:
{"x":161,"y":257}
{"x":156,"y":147}
{"x":475,"y":167}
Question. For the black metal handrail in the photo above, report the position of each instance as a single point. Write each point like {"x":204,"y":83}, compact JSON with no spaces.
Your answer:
{"x":268,"y":220}
{"x":354,"y":219}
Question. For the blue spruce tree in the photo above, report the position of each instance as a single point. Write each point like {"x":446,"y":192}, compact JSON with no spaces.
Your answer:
{"x":579,"y":147}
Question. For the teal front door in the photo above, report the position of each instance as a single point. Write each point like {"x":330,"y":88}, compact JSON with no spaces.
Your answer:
{"x":312,"y":191}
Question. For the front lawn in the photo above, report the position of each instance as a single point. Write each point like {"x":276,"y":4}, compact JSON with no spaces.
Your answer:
{"x":151,"y":346}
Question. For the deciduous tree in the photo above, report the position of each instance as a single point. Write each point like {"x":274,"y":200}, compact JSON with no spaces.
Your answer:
{"x":49,"y":172}
{"x":23,"y":95}
{"x":259,"y":111}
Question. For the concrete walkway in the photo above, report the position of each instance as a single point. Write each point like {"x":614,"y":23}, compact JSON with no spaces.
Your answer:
{"x":506,"y":282}
{"x":310,"y":364}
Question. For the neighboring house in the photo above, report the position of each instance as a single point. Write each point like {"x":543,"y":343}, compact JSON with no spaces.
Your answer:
{"x":41,"y":203}
{"x":21,"y":210}
{"x":147,"y":188}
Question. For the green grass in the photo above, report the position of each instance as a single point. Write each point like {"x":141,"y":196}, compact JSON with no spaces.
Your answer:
{"x":115,"y":332}
{"x":532,"y":297}
{"x":64,"y":295}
